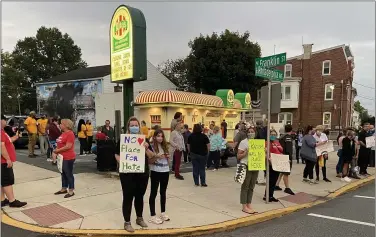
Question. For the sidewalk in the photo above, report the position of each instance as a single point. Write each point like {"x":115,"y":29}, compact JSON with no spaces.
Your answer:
{"x":98,"y":200}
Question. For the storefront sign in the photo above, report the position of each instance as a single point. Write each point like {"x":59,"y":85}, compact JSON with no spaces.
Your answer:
{"x":280,"y":163}
{"x":256,"y":154}
{"x":245,"y":99}
{"x":213,"y":115}
{"x":231,"y":115}
{"x":227,"y":97}
{"x":132,"y":153}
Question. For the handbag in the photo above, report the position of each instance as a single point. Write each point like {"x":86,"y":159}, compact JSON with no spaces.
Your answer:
{"x":241,"y":170}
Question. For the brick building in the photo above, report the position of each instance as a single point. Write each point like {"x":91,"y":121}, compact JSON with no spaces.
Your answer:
{"x":317,"y":88}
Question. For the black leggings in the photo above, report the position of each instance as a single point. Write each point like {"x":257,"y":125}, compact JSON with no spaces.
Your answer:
{"x":317,"y":169}
{"x":83,"y":145}
{"x":156,"y":179}
{"x":273,"y":177}
{"x":134,"y":187}
{"x":308,"y":170}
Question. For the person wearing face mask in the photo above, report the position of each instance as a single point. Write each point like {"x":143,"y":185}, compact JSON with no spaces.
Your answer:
{"x":308,"y":152}
{"x":240,"y":136}
{"x":320,"y":136}
{"x":348,"y":154}
{"x":134,"y":184}
{"x":246,"y":192}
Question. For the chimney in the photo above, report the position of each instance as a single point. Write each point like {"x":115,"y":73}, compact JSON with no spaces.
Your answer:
{"x":307,"y":51}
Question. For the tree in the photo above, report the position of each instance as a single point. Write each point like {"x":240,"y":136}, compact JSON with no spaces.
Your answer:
{"x":176,"y":71}
{"x":48,"y":54}
{"x":363,"y":112}
{"x":223,"y":61}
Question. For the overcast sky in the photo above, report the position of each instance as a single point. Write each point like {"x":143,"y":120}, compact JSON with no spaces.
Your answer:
{"x":171,"y":25}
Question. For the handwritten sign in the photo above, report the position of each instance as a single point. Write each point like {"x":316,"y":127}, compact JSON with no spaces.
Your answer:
{"x":132,"y":153}
{"x":370,"y":141}
{"x":256,"y":154}
{"x":280,"y":163}
{"x":327,"y":147}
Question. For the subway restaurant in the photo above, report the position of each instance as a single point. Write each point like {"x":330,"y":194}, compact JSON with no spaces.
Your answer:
{"x":158,"y":107}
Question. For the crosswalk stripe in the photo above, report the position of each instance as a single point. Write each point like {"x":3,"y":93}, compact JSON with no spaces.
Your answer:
{"x":368,"y":197}
{"x":343,"y":220}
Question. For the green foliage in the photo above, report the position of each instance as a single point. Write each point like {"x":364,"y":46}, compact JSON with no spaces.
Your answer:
{"x":217,"y":61}
{"x":363,"y":112}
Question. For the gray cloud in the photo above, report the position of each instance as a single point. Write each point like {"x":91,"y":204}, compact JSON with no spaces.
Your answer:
{"x":172,"y":25}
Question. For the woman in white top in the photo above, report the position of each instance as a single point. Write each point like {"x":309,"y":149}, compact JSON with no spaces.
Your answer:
{"x":159,"y":175}
{"x":321,"y":137}
{"x":177,"y":147}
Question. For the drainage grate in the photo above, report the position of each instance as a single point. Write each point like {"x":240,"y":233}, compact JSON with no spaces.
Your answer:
{"x":50,"y":215}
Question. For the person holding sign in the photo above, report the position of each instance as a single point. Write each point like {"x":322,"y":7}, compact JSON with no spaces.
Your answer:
{"x":159,"y":175}
{"x":134,"y":184}
{"x":276,"y":148}
{"x":249,"y":182}
{"x":320,"y":136}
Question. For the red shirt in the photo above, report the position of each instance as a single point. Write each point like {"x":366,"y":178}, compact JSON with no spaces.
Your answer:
{"x":100,"y":136}
{"x":275,"y":147}
{"x":66,"y":137}
{"x":9,"y":146}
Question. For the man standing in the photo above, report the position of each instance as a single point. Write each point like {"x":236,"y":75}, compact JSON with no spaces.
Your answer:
{"x":108,"y":131}
{"x":186,"y":134}
{"x":31,"y":128}
{"x":43,"y":141}
{"x":224,"y":129}
{"x":8,"y":157}
{"x":364,"y":152}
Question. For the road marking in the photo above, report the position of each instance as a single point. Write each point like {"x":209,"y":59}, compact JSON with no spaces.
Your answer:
{"x":341,"y":219}
{"x":368,"y":197}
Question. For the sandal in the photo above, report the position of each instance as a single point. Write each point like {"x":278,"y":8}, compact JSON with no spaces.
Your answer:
{"x":61,"y":192}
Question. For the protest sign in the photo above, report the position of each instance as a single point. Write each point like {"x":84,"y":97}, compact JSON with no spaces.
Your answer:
{"x":327,"y":147}
{"x":256,"y":154}
{"x":370,"y":141}
{"x":132,"y":153}
{"x":280,"y":163}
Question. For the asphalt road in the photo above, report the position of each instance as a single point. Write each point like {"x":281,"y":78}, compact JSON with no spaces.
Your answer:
{"x":314,"y":222}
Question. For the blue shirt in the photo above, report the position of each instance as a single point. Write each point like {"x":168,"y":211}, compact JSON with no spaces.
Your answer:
{"x":215,"y":142}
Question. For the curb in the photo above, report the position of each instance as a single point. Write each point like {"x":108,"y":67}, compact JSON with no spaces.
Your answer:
{"x":189,"y":231}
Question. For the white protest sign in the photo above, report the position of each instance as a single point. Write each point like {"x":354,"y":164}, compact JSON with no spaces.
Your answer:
{"x":370,"y":141}
{"x":280,"y":163}
{"x":132,"y":153}
{"x":327,"y":147}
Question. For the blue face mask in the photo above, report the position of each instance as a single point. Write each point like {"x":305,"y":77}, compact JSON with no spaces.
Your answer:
{"x":134,"y":129}
{"x":273,"y":138}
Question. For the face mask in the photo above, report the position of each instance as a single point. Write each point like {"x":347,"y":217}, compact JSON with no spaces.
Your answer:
{"x":134,"y":129}
{"x":159,"y":139}
{"x":313,"y":133}
{"x":251,"y":135}
{"x":273,"y":138}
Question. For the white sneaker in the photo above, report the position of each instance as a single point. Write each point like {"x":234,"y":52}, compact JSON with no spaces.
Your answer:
{"x":164,"y":217}
{"x":156,"y":220}
{"x":214,"y":169}
{"x":347,"y":179}
{"x":49,"y":160}
{"x":83,"y":155}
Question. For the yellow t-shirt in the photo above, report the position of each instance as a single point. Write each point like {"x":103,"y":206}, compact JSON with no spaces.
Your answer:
{"x":144,"y":130}
{"x":81,"y":134}
{"x":151,"y":134}
{"x":31,"y":125}
{"x":42,"y":123}
{"x":89,"y":128}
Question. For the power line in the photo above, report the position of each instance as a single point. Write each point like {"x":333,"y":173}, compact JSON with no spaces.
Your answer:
{"x":364,"y":85}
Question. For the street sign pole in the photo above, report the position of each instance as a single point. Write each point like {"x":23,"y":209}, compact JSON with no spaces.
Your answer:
{"x":268,"y":143}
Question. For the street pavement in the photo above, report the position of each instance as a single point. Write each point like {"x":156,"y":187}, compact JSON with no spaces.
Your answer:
{"x":356,"y":218}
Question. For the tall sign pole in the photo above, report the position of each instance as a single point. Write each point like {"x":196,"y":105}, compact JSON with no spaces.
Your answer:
{"x":128,"y":52}
{"x":263,"y":70}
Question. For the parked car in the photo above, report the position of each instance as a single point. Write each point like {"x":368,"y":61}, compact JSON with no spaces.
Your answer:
{"x":14,"y":124}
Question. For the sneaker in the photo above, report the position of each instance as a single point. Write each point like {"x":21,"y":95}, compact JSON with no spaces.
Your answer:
{"x":49,"y":160}
{"x":215,"y":169}
{"x":140,"y":221}
{"x":339,"y":175}
{"x":204,"y":185}
{"x":164,"y":217}
{"x":277,"y":188}
{"x":5,"y":202}
{"x":347,"y":179}
{"x":17,"y":204}
{"x":313,"y":182}
{"x":83,"y":155}
{"x":156,"y":220}
{"x":128,"y":227}
{"x":305,"y":180}
{"x":289,"y":191}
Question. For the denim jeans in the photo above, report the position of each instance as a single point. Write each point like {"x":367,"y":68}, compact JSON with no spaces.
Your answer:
{"x":339,"y":165}
{"x":198,"y":164}
{"x":67,"y":178}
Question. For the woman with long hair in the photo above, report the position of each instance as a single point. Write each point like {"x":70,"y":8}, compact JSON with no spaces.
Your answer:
{"x":134,"y":184}
{"x":82,"y":136}
{"x":65,"y":147}
{"x":159,"y":175}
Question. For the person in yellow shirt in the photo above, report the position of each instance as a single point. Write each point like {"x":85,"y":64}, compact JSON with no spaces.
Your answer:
{"x":89,"y":134}
{"x":31,"y":128}
{"x":43,"y":139}
{"x":82,"y":137}
{"x":144,"y":129}
{"x":153,"y":129}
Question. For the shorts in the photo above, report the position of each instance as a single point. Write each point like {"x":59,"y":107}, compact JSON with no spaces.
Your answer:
{"x":7,"y":175}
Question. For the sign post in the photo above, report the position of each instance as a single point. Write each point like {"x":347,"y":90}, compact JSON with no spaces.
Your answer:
{"x":263,"y":70}
{"x":128,"y":52}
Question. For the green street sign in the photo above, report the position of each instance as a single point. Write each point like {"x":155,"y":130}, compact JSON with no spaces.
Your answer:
{"x":272,"y":61}
{"x":274,"y":75}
